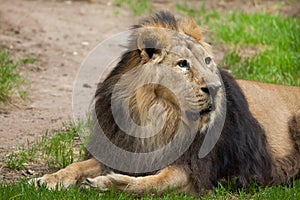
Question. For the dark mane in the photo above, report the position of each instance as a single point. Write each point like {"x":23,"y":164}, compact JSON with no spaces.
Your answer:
{"x":242,"y":150}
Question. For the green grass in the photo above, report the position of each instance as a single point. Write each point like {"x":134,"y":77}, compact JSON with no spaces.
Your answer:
{"x":23,"y":191}
{"x":57,"y":149}
{"x":257,"y":46}
{"x":138,"y":7}
{"x":10,"y":77}
{"x":279,"y":59}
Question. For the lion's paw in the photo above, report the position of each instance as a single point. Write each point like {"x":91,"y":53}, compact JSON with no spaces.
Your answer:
{"x":126,"y":183}
{"x":53,"y":181}
{"x":100,"y":182}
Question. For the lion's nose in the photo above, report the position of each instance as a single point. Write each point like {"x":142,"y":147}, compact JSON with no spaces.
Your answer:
{"x":211,"y":88}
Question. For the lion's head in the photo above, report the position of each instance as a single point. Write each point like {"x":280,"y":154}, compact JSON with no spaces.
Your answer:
{"x":165,"y":85}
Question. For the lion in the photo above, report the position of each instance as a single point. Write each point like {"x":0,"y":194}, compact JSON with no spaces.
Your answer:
{"x":259,"y":140}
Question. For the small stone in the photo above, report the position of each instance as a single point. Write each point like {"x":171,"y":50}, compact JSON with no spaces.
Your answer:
{"x":85,"y":85}
{"x":84,"y":43}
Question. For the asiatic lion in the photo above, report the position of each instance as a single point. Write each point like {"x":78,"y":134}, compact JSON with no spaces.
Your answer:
{"x":260,"y":138}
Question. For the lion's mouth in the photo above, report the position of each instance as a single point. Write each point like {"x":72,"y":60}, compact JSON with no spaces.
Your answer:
{"x":196,"y":115}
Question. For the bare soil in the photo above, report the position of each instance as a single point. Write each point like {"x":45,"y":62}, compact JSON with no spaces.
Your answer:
{"x":60,"y":34}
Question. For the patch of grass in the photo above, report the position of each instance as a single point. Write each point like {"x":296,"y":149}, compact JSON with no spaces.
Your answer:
{"x":137,"y":6}
{"x":273,"y":39}
{"x":116,"y":13}
{"x":57,"y":150}
{"x":28,"y":60}
{"x":279,"y":62}
{"x":10,"y":77}
{"x":290,"y":191}
{"x":22,"y":190}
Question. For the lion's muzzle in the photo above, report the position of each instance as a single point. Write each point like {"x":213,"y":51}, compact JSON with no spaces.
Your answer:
{"x":211,"y":89}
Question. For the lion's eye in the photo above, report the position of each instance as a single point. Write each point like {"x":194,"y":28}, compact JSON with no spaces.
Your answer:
{"x":207,"y":60}
{"x":184,"y":64}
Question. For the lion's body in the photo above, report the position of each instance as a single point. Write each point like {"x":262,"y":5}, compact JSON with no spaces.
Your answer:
{"x":273,"y":106}
{"x":277,"y":109}
{"x":261,"y":134}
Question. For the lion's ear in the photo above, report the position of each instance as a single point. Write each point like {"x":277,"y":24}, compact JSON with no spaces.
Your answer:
{"x":191,"y":28}
{"x":151,"y":42}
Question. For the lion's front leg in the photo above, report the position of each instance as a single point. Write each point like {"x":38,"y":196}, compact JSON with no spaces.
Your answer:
{"x":171,"y":178}
{"x":70,"y":175}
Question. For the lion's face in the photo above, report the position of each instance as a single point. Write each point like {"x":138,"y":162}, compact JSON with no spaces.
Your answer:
{"x":186,"y":72}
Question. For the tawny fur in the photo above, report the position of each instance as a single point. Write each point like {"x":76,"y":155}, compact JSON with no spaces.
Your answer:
{"x":260,"y":139}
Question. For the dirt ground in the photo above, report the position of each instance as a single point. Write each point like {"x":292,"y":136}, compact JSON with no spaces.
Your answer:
{"x":60,"y":34}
